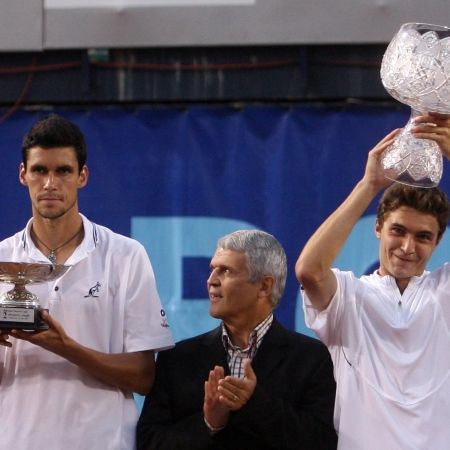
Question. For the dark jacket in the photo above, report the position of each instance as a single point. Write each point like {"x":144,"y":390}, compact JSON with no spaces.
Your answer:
{"x":291,"y":407}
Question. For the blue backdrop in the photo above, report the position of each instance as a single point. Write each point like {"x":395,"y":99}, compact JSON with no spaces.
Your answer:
{"x":178,"y":178}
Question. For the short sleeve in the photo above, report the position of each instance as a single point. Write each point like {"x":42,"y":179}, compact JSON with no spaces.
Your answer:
{"x":146,"y":323}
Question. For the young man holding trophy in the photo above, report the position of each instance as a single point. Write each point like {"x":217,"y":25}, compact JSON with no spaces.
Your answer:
{"x":71,"y":385}
{"x":388,"y":332}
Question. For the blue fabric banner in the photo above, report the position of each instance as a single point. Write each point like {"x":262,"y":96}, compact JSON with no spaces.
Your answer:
{"x":176,"y":179}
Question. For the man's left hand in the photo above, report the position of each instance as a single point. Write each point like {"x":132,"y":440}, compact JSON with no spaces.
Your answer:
{"x":435,"y":127}
{"x":54,"y":339}
{"x":236,"y":392}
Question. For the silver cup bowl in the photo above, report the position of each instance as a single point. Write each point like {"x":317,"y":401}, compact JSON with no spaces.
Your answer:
{"x":20,"y":308}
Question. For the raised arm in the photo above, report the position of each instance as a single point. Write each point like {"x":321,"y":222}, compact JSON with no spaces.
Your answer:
{"x":313,"y":267}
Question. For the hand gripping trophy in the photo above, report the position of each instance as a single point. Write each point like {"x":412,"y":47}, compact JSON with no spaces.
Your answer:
{"x":416,"y":71}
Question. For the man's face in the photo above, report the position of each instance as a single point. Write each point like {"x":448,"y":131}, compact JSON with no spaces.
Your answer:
{"x":234,"y":299}
{"x":407,"y":241}
{"x":53,"y":179}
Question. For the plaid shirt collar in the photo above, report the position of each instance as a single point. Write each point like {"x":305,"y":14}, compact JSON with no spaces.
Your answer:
{"x":236,"y":354}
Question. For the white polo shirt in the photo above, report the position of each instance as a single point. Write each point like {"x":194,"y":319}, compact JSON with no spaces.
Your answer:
{"x":391,"y":356}
{"x":107,"y":301}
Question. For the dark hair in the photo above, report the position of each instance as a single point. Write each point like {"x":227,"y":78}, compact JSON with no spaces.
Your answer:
{"x":55,"y":131}
{"x":431,"y":201}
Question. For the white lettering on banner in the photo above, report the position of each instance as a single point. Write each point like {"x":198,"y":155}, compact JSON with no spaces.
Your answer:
{"x":170,"y":239}
{"x":164,"y":239}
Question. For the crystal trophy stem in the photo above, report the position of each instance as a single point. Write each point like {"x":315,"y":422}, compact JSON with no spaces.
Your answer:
{"x":412,"y":161}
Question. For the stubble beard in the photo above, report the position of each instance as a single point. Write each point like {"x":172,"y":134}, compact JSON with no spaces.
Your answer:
{"x":54,"y":215}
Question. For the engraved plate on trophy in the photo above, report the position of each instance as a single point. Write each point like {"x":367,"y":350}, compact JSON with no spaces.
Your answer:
{"x":19,"y":308}
{"x":416,"y":71}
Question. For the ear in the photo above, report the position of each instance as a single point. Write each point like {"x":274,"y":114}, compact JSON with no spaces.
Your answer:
{"x":267,"y":284}
{"x":22,"y":172}
{"x":83,"y":177}
{"x":378,"y":227}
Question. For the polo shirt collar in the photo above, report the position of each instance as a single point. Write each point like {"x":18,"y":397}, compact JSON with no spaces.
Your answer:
{"x":88,"y":244}
{"x":389,"y":280}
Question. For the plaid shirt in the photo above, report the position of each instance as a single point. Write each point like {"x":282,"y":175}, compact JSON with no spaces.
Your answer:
{"x":236,"y":355}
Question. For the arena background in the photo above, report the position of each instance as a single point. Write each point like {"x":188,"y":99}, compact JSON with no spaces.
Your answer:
{"x":207,"y":116}
{"x":177,"y":179}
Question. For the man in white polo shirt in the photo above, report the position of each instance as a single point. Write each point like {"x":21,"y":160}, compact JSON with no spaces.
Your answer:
{"x":71,"y":386}
{"x":388,"y":332}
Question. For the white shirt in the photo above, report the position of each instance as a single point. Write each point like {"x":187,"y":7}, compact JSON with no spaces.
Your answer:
{"x":391,"y":356}
{"x":107,"y":301}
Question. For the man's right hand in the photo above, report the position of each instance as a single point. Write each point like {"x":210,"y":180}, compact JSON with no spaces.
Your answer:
{"x":215,"y":412}
{"x":435,"y":127}
{"x":374,"y":174}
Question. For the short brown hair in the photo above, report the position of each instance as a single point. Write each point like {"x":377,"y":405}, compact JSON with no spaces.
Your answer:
{"x":431,"y":201}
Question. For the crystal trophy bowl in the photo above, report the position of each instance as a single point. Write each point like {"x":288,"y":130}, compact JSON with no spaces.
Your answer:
{"x":19,"y":308}
{"x":416,"y":71}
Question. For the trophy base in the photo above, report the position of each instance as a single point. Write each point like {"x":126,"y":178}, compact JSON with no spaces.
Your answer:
{"x":21,"y":318}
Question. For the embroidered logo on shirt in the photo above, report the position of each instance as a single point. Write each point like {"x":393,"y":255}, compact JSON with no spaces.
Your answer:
{"x":94,"y":290}
{"x":164,"y":322}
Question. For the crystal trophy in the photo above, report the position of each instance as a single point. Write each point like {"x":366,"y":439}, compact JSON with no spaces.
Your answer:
{"x":416,"y":71}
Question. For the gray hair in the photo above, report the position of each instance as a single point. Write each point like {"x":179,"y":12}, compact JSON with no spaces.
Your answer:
{"x":265,"y":257}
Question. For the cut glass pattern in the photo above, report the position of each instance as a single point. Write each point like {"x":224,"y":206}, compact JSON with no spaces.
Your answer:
{"x":416,"y":71}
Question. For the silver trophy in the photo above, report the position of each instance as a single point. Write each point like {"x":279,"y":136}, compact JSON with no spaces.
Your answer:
{"x":19,"y":308}
{"x":416,"y":71}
